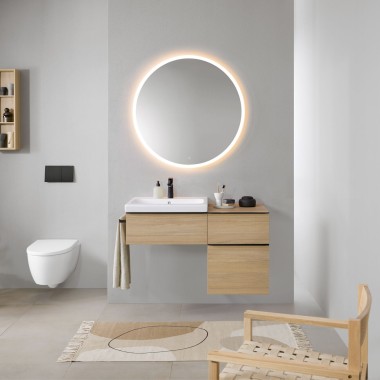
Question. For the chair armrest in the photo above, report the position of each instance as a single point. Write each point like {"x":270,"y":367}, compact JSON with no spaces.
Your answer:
{"x":292,"y":318}
{"x":276,"y":364}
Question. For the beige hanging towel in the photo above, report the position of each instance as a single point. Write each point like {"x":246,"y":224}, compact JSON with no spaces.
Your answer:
{"x":121,"y":260}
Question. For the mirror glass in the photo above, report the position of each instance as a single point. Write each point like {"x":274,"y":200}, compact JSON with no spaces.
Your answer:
{"x":188,"y":111}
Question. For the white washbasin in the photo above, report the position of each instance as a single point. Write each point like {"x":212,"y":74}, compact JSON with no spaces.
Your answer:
{"x":185,"y":204}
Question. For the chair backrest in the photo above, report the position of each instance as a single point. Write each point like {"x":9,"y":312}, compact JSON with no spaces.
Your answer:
{"x":364,"y":308}
{"x":358,"y":332}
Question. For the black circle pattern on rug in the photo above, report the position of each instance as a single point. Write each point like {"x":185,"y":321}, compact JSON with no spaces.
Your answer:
{"x":201,"y":336}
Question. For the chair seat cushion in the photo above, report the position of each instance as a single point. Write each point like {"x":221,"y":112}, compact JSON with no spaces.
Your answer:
{"x":243,"y":372}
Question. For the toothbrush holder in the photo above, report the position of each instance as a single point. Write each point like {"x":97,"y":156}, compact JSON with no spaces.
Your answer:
{"x":218,"y":199}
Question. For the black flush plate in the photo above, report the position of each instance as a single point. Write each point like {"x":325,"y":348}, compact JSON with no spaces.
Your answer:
{"x":59,"y":173}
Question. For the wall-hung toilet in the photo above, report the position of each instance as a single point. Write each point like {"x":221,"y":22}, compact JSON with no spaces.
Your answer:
{"x":51,"y":261}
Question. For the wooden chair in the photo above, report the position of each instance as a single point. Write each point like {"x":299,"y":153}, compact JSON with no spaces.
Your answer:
{"x":257,"y":362}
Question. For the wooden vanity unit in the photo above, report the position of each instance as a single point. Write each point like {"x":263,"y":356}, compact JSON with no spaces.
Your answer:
{"x":238,"y":250}
{"x":237,"y":242}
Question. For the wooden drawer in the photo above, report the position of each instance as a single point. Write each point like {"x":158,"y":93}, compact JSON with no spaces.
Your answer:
{"x":238,"y":269}
{"x":166,"y":228}
{"x":238,"y":229}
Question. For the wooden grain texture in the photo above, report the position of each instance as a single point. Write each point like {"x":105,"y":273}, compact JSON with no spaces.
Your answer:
{"x":13,"y":103}
{"x":159,"y":228}
{"x":296,"y":319}
{"x":213,"y":370}
{"x":238,"y":269}
{"x":300,"y":361}
{"x":238,"y":228}
{"x":259,"y":209}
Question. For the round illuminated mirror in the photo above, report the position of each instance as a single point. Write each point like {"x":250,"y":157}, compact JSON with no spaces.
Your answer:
{"x":188,"y":111}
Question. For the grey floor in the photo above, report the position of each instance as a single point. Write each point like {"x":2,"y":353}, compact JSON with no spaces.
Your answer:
{"x":36,"y":324}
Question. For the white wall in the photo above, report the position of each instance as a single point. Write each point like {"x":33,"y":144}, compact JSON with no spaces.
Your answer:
{"x":254,"y":38}
{"x":61,"y":49}
{"x":337,"y":161}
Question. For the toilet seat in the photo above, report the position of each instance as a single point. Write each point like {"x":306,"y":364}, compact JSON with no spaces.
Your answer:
{"x":51,"y":247}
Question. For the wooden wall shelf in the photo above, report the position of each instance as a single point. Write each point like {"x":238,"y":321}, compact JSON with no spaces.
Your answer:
{"x":11,"y":101}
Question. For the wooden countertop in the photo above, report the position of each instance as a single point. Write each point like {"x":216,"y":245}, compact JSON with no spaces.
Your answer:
{"x":259,"y":209}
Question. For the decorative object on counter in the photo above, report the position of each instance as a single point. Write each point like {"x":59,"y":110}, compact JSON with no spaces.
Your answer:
{"x":11,"y":89}
{"x":218,"y":199}
{"x":3,"y":91}
{"x":3,"y":140}
{"x":219,"y":195}
{"x":158,"y":191}
{"x":247,"y":201}
{"x":228,"y":203}
{"x":7,"y":115}
{"x":10,"y":140}
{"x":170,"y":188}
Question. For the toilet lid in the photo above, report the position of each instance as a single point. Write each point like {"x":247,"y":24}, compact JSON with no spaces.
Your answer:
{"x":51,"y":247}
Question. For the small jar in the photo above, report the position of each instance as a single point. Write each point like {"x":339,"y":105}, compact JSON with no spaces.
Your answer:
{"x":7,"y":115}
{"x":228,"y":202}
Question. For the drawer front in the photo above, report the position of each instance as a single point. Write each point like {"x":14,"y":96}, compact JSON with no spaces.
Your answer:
{"x":238,"y":229}
{"x":238,"y":269}
{"x":166,"y":228}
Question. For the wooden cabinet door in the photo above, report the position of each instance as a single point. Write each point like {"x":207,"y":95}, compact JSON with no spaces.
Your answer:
{"x":238,"y":269}
{"x":166,"y":228}
{"x":238,"y":229}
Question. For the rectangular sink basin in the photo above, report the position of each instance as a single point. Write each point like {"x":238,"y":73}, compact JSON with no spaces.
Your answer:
{"x":185,"y":204}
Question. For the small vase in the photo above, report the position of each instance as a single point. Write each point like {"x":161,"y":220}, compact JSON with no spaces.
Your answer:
{"x":7,"y":115}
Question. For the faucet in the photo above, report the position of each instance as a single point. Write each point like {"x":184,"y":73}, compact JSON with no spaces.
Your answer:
{"x":170,"y":188}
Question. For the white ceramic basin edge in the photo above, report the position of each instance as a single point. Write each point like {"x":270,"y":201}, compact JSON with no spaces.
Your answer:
{"x":177,"y":204}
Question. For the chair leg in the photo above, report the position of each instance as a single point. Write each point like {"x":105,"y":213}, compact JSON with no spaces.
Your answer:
{"x":364,"y":373}
{"x":213,"y":371}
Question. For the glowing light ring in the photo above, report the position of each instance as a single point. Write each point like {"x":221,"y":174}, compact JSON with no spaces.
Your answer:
{"x":220,"y":67}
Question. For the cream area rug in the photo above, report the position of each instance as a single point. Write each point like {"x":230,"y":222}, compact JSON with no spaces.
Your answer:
{"x":170,"y":341}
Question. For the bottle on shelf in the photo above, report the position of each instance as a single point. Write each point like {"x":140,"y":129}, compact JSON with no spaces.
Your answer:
{"x":7,"y":115}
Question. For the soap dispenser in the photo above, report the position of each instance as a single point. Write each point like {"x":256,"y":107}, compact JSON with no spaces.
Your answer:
{"x":158,"y":191}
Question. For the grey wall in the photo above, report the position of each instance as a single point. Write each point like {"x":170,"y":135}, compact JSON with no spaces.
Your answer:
{"x":254,"y":38}
{"x":61,"y":49}
{"x":337,"y":160}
